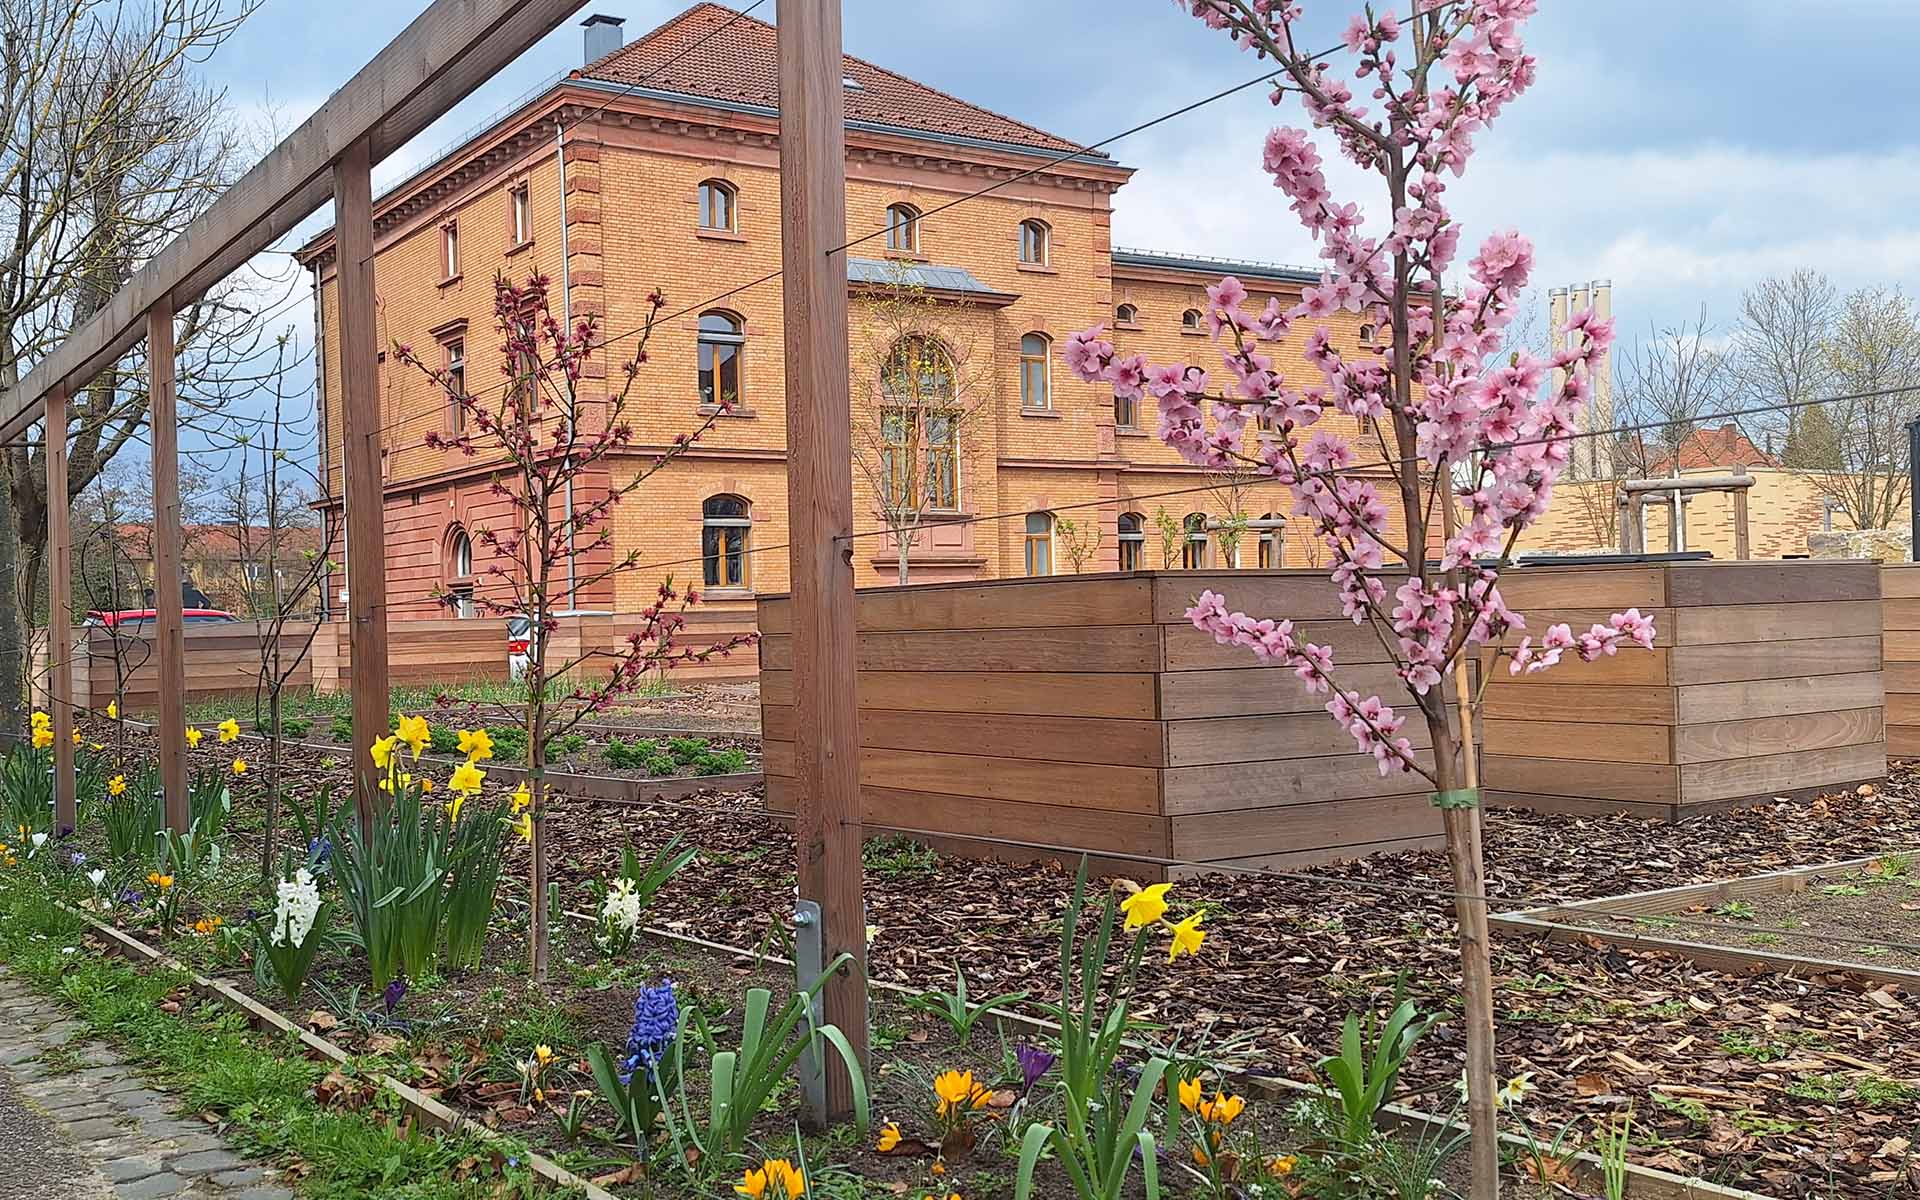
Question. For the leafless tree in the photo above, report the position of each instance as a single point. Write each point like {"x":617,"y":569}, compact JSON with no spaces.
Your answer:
{"x":109,"y":147}
{"x":1780,"y":356}
{"x":1874,"y":346}
{"x":1670,"y":379}
{"x":918,"y":394}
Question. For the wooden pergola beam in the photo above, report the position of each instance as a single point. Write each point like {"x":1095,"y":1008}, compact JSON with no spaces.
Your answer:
{"x":169,"y":636}
{"x":448,"y":51}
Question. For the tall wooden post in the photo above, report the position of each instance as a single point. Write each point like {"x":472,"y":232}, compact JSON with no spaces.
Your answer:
{"x":813,"y":221}
{"x":365,"y":486}
{"x":59,"y":613}
{"x":170,"y":644}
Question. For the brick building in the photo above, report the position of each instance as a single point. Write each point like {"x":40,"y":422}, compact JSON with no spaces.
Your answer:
{"x":668,"y":147}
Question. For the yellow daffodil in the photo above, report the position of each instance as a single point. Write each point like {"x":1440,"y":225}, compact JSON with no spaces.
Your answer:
{"x":382,"y":751}
{"x":117,"y":785}
{"x":1515,"y":1091}
{"x":889,"y":1138}
{"x":194,"y":734}
{"x":42,"y":720}
{"x":522,"y":798}
{"x":76,"y":739}
{"x":229,"y":730}
{"x":42,"y":738}
{"x":113,"y":710}
{"x":99,"y":746}
{"x":426,"y":785}
{"x":466,"y":778}
{"x":1187,"y":936}
{"x":1190,"y":1094}
{"x":523,"y":825}
{"x":1282,"y":1166}
{"x":414,"y":732}
{"x":476,"y":744}
{"x":239,"y":766}
{"x":454,"y":806}
{"x":1146,"y":906}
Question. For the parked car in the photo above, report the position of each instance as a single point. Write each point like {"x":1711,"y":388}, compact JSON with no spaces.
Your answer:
{"x":140,"y":616}
{"x":520,"y":637}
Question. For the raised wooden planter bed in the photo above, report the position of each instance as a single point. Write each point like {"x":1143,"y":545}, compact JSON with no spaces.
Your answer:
{"x":1900,"y":593}
{"x":1086,"y":712}
{"x":1765,"y":680}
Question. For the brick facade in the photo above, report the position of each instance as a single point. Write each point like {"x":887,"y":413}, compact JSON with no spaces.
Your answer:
{"x":634,"y":163}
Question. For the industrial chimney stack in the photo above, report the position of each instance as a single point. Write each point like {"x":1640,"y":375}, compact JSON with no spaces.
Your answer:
{"x":1592,"y":455}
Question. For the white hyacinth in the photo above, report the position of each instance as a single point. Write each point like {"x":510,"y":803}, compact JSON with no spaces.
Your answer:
{"x":299,"y":904}
{"x":621,"y":912}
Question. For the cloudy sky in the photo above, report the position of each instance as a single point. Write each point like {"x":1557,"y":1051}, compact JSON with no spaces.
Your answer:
{"x":1681,"y":150}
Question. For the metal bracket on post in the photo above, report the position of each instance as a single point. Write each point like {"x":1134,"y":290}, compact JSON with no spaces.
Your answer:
{"x":809,"y":959}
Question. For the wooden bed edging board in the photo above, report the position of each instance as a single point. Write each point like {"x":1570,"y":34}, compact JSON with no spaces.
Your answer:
{"x":1643,"y":1183}
{"x":424,"y":1107}
{"x":1900,"y":634}
{"x":1733,"y":959}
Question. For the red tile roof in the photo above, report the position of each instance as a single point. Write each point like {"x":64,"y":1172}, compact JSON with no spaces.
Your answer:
{"x":1722,"y":447}
{"x":714,"y":53}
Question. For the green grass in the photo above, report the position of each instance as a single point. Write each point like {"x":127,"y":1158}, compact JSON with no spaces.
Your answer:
{"x":262,"y":1088}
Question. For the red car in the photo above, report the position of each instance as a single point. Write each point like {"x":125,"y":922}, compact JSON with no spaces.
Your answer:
{"x":139,"y":616}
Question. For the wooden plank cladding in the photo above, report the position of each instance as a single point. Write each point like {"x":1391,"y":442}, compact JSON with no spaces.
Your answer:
{"x":1766,"y":679}
{"x":1900,"y":630}
{"x":1086,"y":713}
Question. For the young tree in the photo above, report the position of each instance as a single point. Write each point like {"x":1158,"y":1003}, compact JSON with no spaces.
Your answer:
{"x":1079,"y":541}
{"x":1780,"y":355}
{"x":547,"y":438}
{"x":1859,"y":460}
{"x":1485,"y":433}
{"x":917,"y":399}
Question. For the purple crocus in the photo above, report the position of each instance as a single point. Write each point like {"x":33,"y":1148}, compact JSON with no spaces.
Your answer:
{"x":395,"y":993}
{"x":1034,"y":1062}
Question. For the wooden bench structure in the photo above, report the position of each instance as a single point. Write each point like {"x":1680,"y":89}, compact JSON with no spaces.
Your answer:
{"x":1765,"y":680}
{"x":1087,"y":712}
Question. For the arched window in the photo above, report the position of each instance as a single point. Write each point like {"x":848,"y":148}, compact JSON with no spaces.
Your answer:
{"x":1191,"y":319}
{"x":1193,"y":553}
{"x":1034,"y":236}
{"x":717,"y":205}
{"x":1272,"y":543}
{"x":903,"y":229}
{"x":460,"y":573}
{"x":1366,"y":335}
{"x":920,"y":425}
{"x":1034,"y":392}
{"x":1126,"y":314}
{"x":1133,"y":540}
{"x":1040,"y":543}
{"x":722,"y":345}
{"x":725,"y":524}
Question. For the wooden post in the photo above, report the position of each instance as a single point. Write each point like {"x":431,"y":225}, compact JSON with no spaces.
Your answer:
{"x":1741,"y":546}
{"x":365,"y":486}
{"x":170,"y":644}
{"x":813,"y":221}
{"x":60,"y":613}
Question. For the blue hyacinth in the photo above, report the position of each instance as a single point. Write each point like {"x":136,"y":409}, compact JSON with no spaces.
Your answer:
{"x":656,"y":1019}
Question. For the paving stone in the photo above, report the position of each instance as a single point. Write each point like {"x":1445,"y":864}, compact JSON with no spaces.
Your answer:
{"x":125,"y":1170}
{"x":153,"y":1187}
{"x":140,"y":1097}
{"x":148,"y":1116}
{"x":181,"y":1137}
{"x":242,"y":1177}
{"x":206,"y":1162}
{"x":18,"y":1053}
{"x":81,"y":1109}
{"x":97,"y":1055}
{"x":263,"y":1193}
{"x":95,"y":1129}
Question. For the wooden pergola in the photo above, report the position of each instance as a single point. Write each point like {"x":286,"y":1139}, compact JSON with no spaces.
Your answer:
{"x":440,"y":58}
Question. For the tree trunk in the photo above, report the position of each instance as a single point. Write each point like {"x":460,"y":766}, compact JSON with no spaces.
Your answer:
{"x":537,"y":790}
{"x":12,"y":659}
{"x":905,"y":545}
{"x":273,"y":783}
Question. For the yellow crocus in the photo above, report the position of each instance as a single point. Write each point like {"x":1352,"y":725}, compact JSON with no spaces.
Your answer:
{"x":1146,"y":906}
{"x":466,"y":778}
{"x":117,"y":785}
{"x":476,"y":744}
{"x":1283,"y":1166}
{"x":113,"y":710}
{"x":239,"y":766}
{"x":194,"y":734}
{"x":775,"y":1179}
{"x":1187,"y":936}
{"x":543,"y":1054}
{"x":414,"y":732}
{"x":1190,"y":1094}
{"x":889,"y":1138}
{"x":229,"y":730}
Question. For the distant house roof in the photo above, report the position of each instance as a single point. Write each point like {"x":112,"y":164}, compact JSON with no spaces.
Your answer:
{"x":1722,"y":447}
{"x":932,"y":277}
{"x":1239,"y":268}
{"x":225,"y":541}
{"x":714,"y":53}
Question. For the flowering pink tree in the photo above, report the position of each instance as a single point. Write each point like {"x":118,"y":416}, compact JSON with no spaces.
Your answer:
{"x":556,"y":447}
{"x":1469,"y":423}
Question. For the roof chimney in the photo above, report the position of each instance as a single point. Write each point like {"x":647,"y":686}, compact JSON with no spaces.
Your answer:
{"x":603,"y":35}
